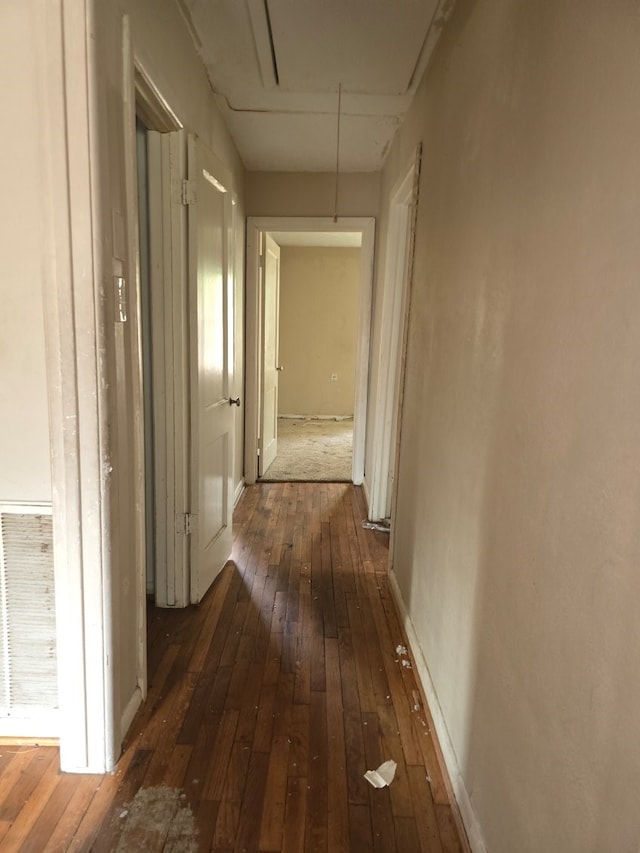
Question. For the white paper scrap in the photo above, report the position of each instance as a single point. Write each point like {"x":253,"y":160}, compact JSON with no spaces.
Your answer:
{"x":383,"y":776}
{"x":401,"y":650}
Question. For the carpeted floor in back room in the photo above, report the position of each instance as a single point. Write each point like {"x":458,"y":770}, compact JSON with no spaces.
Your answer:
{"x":313,"y":450}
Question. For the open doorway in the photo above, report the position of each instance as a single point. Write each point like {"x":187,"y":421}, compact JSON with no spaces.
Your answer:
{"x":390,"y":352}
{"x":160,"y":156}
{"x":310,"y":337}
{"x":308,"y":319}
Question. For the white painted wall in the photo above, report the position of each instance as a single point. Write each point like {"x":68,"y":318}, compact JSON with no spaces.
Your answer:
{"x":319,"y":290}
{"x":312,"y":194}
{"x":517,"y":540}
{"x":24,"y":430}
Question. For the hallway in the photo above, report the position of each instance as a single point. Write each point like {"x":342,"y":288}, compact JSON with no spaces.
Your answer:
{"x":288,"y":675}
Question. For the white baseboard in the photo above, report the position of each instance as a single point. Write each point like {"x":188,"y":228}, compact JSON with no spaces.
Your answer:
{"x":238,"y":492}
{"x":467,"y":814}
{"x":129,"y":712}
{"x":317,"y":417}
{"x":45,"y":725}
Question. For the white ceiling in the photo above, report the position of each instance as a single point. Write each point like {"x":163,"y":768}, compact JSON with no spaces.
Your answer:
{"x":329,"y":239}
{"x":276,"y":65}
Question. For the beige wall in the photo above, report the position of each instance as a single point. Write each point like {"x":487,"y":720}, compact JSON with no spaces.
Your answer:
{"x":312,"y":194}
{"x":517,"y":537}
{"x":318,"y":329}
{"x":24,"y":430}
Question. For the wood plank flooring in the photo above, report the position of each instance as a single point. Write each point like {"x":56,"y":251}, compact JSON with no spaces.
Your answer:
{"x":267,"y":703}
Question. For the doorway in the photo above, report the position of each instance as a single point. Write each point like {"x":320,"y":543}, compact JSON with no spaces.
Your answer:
{"x":186,"y":262}
{"x":315,"y":393}
{"x":391,"y":348}
{"x":160,"y":155}
{"x":310,"y":331}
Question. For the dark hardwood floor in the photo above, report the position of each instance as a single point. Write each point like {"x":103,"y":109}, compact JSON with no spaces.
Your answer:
{"x":267,"y":703}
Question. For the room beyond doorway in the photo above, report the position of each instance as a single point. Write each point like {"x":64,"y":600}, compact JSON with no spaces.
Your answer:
{"x":312,"y":351}
{"x":313,"y":450}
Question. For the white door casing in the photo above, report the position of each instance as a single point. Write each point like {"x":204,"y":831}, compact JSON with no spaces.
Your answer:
{"x":170,"y":364}
{"x":270,"y":337}
{"x":85,"y":72}
{"x":256,"y":228}
{"x":391,"y":349}
{"x":210,"y":307}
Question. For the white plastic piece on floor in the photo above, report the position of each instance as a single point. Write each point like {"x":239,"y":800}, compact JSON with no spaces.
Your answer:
{"x":372,"y":525}
{"x":383,"y":776}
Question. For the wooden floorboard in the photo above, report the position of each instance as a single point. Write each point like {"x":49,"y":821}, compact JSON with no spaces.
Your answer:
{"x":267,"y":703}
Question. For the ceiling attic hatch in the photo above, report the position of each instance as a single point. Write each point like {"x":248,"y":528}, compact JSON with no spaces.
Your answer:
{"x":263,"y":42}
{"x":370,"y":47}
{"x":276,"y":66}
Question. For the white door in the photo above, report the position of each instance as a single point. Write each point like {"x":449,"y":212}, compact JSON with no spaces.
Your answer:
{"x":270,"y":367}
{"x":210,"y":313}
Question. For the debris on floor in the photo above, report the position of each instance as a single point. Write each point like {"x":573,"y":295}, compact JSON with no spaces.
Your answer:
{"x":383,"y":776}
{"x":374,"y":525}
{"x":321,"y":453}
{"x":402,"y":652}
{"x":155,"y":817}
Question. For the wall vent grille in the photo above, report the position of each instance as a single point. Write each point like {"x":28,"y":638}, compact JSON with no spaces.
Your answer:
{"x":28,"y":661}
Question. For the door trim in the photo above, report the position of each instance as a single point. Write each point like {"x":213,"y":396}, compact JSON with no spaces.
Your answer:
{"x":264,"y":461}
{"x":169,"y":380}
{"x":391,"y":348}
{"x":256,"y":226}
{"x":170,"y":360}
{"x":75,"y":297}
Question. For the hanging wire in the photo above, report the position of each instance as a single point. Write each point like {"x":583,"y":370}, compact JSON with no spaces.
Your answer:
{"x":335,"y":201}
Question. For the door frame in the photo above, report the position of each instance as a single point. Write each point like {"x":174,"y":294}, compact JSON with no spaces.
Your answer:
{"x":170,"y":363}
{"x":256,"y":226}
{"x":81,"y":296}
{"x":391,"y":348}
{"x":77,"y":283}
{"x":263,"y":461}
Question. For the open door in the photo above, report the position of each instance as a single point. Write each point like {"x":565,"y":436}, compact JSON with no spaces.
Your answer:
{"x":270,"y":367}
{"x":210,"y":310}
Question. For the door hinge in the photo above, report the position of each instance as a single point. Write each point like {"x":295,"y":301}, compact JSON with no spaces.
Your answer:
{"x":185,"y":523}
{"x":188,"y":192}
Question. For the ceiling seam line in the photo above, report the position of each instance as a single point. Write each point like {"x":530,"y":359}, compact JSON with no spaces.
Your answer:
{"x":271,"y":43}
